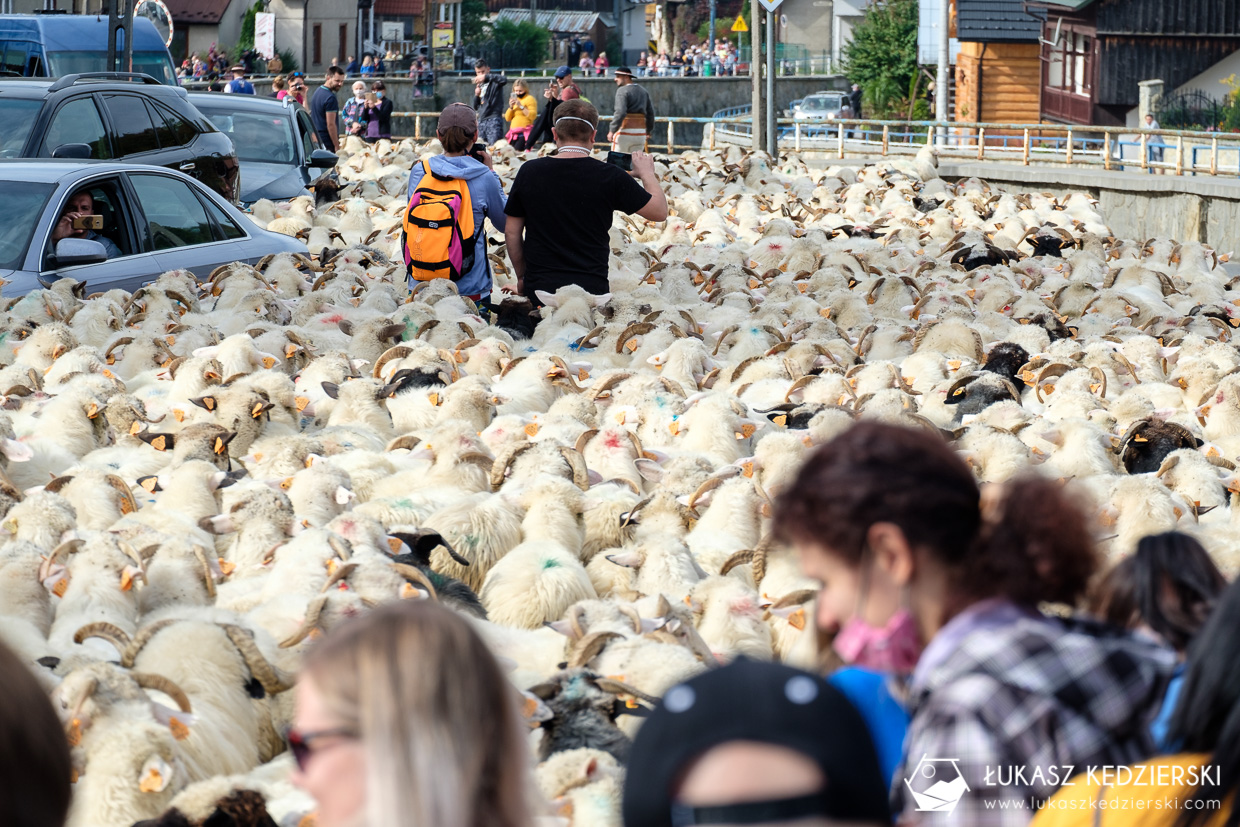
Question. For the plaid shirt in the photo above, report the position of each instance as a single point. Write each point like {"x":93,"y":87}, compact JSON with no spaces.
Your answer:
{"x":1044,"y":696}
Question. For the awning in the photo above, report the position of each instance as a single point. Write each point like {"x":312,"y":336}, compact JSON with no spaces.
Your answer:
{"x":1066,"y":5}
{"x":560,"y":22}
{"x":197,"y":11}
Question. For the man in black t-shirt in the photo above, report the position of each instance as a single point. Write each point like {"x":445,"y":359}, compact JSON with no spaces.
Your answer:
{"x":560,"y":208}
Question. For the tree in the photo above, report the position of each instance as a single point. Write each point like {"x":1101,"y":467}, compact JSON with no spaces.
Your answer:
{"x":246,"y":39}
{"x":882,"y":57}
{"x":473,"y":15}
{"x":524,"y":37}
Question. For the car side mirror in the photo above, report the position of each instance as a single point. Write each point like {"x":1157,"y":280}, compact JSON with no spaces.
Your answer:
{"x":74,"y":251}
{"x":322,"y":158}
{"x":76,"y":151}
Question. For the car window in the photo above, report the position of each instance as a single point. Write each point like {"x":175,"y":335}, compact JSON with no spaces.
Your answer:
{"x":263,"y":137}
{"x":107,"y":204}
{"x":13,"y":58}
{"x":77,"y":121}
{"x":21,"y":205}
{"x":172,"y":129}
{"x":228,"y":228}
{"x":309,"y":138}
{"x":132,"y":123}
{"x":18,"y":116}
{"x":175,"y":216}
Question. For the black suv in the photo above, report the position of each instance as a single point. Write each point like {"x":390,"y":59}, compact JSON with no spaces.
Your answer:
{"x":115,"y":116}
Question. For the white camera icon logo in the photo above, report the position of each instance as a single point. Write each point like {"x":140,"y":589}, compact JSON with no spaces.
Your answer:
{"x":936,"y":784}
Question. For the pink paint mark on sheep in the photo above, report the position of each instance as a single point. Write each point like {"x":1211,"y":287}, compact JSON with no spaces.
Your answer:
{"x":612,"y":440}
{"x":336,"y":318}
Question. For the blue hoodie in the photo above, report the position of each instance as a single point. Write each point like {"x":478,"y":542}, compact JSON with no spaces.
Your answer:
{"x":488,"y":199}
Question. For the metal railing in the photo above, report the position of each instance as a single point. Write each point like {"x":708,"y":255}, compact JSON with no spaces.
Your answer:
{"x":1169,"y":151}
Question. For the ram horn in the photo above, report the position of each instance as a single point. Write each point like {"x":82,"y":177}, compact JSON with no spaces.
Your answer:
{"x":615,"y":687}
{"x":511,"y":364}
{"x":584,"y":439}
{"x":584,"y":342}
{"x":415,"y":575}
{"x":590,"y":647}
{"x":121,"y":342}
{"x":710,"y":485}
{"x":341,"y":573}
{"x":632,"y":512}
{"x":739,"y":558}
{"x":141,"y":639}
{"x":128,"y":504}
{"x":577,"y":463}
{"x":57,"y":484}
{"x":147,"y":680}
{"x":395,"y":352}
{"x":797,"y":598}
{"x":67,"y":547}
{"x":637,"y":445}
{"x":635,"y":329}
{"x":500,"y":467}
{"x":1097,"y":373}
{"x":110,"y":632}
{"x":342,"y":547}
{"x":576,"y":616}
{"x":608,"y":382}
{"x":630,"y":612}
{"x":725,"y":334}
{"x":208,"y":573}
{"x":311,"y":622}
{"x":568,"y":374}
{"x":272,"y":679}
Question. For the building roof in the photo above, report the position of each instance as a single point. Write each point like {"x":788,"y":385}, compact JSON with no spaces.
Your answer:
{"x":563,"y":22}
{"x":398,"y":8}
{"x":197,"y":11}
{"x":1068,"y":5}
{"x":994,"y":21}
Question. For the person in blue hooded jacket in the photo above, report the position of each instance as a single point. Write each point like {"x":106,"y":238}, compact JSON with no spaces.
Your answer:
{"x":457,"y":131}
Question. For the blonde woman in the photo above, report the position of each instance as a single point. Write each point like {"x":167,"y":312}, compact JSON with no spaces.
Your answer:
{"x":522,"y":110}
{"x":405,"y":717}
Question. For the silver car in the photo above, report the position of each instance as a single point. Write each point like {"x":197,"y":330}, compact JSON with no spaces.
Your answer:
{"x":153,"y":219}
{"x":820,"y":106}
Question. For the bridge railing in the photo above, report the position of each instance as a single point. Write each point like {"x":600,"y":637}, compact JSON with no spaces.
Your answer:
{"x":1165,"y":151}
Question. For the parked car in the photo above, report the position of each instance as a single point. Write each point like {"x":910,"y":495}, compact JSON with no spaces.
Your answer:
{"x":53,"y":45}
{"x":115,"y":116}
{"x":820,"y":106}
{"x":275,"y":141}
{"x":158,"y":219}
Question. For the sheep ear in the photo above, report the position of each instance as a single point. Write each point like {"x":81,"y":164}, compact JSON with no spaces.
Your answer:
{"x":602,"y":299}
{"x":160,"y":442}
{"x":628,"y":559}
{"x":346,"y":327}
{"x":207,"y":403}
{"x":387,"y":390}
{"x":547,"y":298}
{"x":562,"y":626}
{"x":649,"y":469}
{"x":331,"y":389}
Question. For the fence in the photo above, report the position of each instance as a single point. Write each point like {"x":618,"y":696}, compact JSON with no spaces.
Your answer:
{"x":1174,"y":152}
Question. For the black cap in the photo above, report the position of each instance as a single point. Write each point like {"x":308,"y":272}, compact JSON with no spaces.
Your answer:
{"x":765,"y":702}
{"x":624,"y":70}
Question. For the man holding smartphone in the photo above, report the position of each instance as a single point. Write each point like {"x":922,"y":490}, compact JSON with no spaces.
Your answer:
{"x":78,"y":210}
{"x":633,"y":118}
{"x":560,"y":209}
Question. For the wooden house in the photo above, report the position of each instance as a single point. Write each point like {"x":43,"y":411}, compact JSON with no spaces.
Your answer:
{"x":1095,"y":52}
{"x":998,"y":72}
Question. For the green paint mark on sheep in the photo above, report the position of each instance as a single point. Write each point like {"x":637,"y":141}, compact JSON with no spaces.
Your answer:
{"x":550,"y":564}
{"x":406,"y":503}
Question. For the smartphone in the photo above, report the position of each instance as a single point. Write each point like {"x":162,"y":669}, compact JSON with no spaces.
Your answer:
{"x":88,"y":222}
{"x":621,"y":159}
{"x":476,"y":151}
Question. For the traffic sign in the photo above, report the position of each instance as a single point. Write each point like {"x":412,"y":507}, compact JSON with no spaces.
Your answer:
{"x":770,"y":5}
{"x":739,"y":25}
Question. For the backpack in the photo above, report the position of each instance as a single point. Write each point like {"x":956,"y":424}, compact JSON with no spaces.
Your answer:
{"x":437,"y":234}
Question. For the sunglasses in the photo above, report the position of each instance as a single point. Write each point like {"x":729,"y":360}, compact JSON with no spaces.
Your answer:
{"x":300,"y":743}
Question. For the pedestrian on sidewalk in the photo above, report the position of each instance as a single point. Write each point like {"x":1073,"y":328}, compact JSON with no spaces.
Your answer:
{"x":489,"y":102}
{"x":632,"y":120}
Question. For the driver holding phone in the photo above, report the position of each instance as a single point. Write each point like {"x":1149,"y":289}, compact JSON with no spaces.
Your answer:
{"x":78,"y":220}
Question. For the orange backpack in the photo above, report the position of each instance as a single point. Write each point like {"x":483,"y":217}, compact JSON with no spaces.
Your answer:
{"x":437,"y":234}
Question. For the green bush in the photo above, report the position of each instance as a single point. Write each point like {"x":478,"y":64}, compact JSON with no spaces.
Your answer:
{"x":289,"y":58}
{"x":882,"y":57}
{"x":522,"y":36}
{"x":246,"y":39}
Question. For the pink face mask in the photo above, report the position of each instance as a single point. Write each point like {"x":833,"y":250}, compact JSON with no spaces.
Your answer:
{"x":891,"y":648}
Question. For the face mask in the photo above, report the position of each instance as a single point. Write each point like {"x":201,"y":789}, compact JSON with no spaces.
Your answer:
{"x":379,"y":94}
{"x":891,"y":648}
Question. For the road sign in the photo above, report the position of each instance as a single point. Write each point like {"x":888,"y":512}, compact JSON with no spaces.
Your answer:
{"x":739,"y":25}
{"x":770,"y":5}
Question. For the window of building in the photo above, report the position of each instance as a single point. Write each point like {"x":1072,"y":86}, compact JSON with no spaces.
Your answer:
{"x":344,"y":42}
{"x":1070,"y":63}
{"x":317,"y":39}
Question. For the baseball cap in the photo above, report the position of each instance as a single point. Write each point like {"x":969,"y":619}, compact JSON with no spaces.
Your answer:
{"x":624,"y":70}
{"x":459,"y":114}
{"x":563,"y":72}
{"x":768,"y":703}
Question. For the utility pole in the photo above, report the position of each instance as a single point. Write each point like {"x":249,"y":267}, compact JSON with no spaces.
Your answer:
{"x":940,"y":82}
{"x":772,"y":128}
{"x":755,"y":65}
{"x":711,"y":39}
{"x":120,"y":35}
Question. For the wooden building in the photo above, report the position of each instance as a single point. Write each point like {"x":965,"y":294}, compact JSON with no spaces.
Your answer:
{"x":998,"y":72}
{"x":1095,"y":52}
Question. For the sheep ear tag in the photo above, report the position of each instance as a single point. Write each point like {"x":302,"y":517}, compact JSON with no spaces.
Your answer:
{"x":93,"y":411}
{"x":135,"y":428}
{"x":302,"y":402}
{"x":531,"y":429}
{"x":160,"y":442}
{"x":150,"y":483}
{"x":207,"y":403}
{"x":220,"y":446}
{"x":155,"y":775}
{"x":269,"y":362}
{"x":178,"y":722}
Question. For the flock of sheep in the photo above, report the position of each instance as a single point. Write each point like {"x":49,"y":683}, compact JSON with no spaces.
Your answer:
{"x":200,"y":477}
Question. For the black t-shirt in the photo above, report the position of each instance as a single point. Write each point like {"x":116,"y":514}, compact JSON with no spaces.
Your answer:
{"x":567,"y":204}
{"x":322,"y":102}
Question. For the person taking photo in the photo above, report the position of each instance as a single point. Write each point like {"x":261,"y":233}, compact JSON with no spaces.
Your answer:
{"x":560,"y":208}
